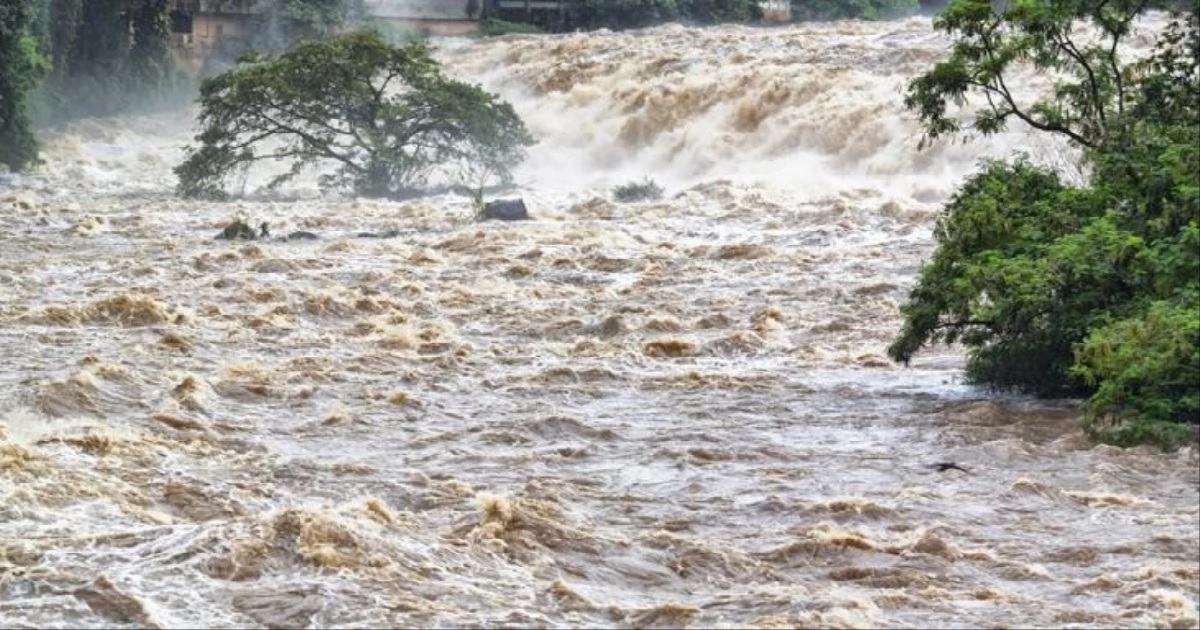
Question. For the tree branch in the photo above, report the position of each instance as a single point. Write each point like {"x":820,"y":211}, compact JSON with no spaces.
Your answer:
{"x":1069,"y":47}
{"x":1004,"y":92}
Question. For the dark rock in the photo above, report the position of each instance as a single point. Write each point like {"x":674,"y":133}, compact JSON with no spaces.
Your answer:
{"x":301,"y":235}
{"x":283,"y":606}
{"x":386,"y":234}
{"x":946,"y":466}
{"x":506,"y":210}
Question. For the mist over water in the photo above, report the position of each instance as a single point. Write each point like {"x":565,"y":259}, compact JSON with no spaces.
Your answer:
{"x":655,"y":414}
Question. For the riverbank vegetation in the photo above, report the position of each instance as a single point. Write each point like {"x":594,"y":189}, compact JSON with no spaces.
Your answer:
{"x":62,"y":60}
{"x":20,"y":68}
{"x":1061,"y":290}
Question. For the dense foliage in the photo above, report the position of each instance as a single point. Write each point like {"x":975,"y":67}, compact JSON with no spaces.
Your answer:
{"x":20,"y":66}
{"x":1055,"y":289}
{"x":385,"y":116}
{"x":105,"y":56}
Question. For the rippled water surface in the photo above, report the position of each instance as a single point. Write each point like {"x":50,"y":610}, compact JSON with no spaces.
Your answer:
{"x":650,"y":414}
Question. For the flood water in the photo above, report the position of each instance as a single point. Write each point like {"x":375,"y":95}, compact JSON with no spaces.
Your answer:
{"x":657,"y":414}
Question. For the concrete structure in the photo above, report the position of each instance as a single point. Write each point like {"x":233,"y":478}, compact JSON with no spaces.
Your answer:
{"x":208,"y":31}
{"x":417,"y":11}
{"x":553,"y":14}
{"x":777,"y":11}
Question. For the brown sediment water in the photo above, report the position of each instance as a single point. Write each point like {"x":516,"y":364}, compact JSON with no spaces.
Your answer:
{"x":655,"y":414}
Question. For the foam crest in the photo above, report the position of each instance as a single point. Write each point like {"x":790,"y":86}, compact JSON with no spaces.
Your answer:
{"x":805,"y":108}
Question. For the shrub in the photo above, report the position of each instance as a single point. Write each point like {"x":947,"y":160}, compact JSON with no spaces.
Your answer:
{"x":646,"y":190}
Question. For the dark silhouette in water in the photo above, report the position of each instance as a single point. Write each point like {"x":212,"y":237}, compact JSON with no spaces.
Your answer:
{"x":506,"y":210}
{"x":945,"y":466}
{"x":240,"y":230}
{"x":301,"y":235}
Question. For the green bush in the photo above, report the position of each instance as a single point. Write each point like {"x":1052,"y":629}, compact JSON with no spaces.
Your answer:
{"x":1145,"y":366}
{"x":646,"y":190}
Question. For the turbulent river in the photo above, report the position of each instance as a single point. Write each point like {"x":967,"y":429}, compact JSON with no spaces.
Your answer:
{"x":671,"y":413}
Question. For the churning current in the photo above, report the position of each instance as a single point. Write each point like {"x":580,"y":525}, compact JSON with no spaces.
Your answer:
{"x":655,"y":414}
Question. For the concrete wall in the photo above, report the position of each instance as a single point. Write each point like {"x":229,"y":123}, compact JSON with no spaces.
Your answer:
{"x":777,"y":10}
{"x":220,"y":27}
{"x":212,"y":33}
{"x":447,"y":27}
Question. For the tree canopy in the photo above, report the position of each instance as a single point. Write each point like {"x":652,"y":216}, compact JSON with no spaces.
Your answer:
{"x":386,"y":117}
{"x":1091,"y":290}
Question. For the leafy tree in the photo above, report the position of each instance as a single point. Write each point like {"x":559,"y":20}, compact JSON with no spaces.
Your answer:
{"x":1084,"y":105}
{"x":386,"y":117}
{"x":20,"y":68}
{"x":1055,"y":289}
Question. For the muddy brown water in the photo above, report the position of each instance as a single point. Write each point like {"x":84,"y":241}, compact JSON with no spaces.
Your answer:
{"x":657,"y":414}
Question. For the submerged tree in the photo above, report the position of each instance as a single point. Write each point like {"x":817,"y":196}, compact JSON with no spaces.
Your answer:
{"x":386,"y":117}
{"x":1060,"y":290}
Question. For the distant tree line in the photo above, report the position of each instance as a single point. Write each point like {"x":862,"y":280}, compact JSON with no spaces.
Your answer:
{"x":627,"y":14}
{"x":61,"y":59}
{"x":20,"y":66}
{"x":98,"y":56}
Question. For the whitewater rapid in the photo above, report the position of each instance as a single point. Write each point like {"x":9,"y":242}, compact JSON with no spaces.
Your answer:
{"x":653,"y":414}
